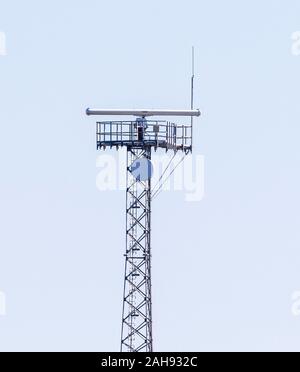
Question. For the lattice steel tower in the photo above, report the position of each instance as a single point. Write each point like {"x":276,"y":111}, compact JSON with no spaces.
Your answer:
{"x":140,"y":137}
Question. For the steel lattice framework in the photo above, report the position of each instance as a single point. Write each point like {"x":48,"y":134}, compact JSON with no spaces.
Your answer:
{"x":137,"y":305}
{"x":140,"y":137}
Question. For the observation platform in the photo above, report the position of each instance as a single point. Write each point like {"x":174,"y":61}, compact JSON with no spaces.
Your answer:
{"x":142,"y":133}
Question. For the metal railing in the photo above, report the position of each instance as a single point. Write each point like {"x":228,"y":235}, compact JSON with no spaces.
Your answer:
{"x":161,"y":134}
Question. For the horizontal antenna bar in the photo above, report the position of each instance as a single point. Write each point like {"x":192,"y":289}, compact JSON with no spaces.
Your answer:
{"x":143,"y":113}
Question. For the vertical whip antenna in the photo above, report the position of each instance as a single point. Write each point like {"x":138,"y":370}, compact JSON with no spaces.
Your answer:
{"x":192,"y":89}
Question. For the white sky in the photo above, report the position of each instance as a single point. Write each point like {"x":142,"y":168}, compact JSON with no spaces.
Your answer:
{"x":224,"y":269}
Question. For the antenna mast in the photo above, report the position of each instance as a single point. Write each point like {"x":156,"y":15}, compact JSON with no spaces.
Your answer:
{"x":192,"y":90}
{"x":140,"y":137}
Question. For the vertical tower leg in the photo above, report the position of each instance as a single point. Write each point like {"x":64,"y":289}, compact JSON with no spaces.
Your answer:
{"x":137,"y":306}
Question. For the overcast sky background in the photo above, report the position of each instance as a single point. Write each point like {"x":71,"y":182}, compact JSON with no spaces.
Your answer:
{"x":225,"y":268}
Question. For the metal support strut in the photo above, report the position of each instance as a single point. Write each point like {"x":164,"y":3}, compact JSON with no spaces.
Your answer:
{"x":137,"y":306}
